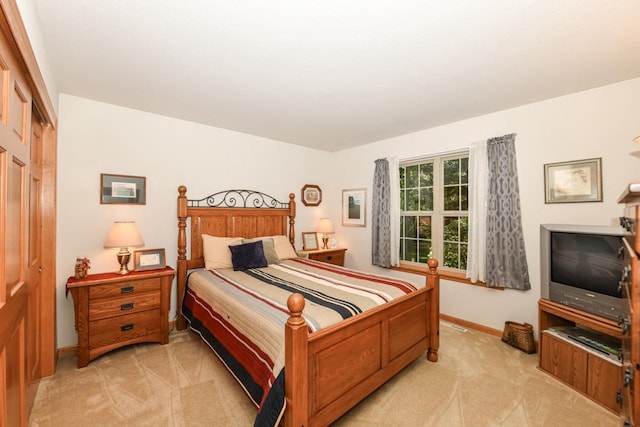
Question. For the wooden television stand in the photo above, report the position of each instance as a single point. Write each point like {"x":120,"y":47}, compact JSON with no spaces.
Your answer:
{"x":579,"y":367}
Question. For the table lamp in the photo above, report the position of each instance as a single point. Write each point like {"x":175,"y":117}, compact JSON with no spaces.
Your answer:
{"x":325,"y":227}
{"x":122,"y":235}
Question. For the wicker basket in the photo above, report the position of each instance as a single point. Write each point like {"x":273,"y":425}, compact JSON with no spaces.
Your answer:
{"x":520,"y":336}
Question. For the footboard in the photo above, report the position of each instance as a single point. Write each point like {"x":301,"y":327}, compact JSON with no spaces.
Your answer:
{"x":330,"y":371}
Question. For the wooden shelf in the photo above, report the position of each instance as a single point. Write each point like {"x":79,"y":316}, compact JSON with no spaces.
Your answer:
{"x":555,"y":314}
{"x":592,"y":375}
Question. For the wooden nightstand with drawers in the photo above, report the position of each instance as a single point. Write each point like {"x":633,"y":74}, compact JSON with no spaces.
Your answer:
{"x":114,"y":310}
{"x":332,"y":256}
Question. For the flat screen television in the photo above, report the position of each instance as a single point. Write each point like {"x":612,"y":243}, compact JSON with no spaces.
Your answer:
{"x":581,"y":267}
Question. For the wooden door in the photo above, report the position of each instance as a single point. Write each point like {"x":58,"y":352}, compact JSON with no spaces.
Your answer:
{"x":34,"y":310}
{"x":15,"y":117}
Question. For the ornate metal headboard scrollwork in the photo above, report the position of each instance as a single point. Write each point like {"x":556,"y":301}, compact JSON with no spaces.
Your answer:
{"x":238,"y":199}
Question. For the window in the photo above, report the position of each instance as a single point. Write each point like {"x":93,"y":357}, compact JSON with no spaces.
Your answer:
{"x":434,"y":210}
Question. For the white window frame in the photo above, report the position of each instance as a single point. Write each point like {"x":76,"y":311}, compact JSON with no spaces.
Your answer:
{"x":438,"y":214}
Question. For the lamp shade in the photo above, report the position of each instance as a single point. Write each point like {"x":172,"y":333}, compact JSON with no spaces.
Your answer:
{"x":123,"y":234}
{"x":325,"y":226}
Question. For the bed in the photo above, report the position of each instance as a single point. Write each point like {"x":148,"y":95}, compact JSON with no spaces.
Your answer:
{"x":329,"y":369}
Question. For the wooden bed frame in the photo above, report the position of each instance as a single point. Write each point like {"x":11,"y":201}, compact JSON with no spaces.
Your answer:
{"x":329,"y":371}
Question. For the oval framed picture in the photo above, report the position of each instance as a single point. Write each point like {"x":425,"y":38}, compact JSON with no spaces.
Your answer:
{"x":311,"y":195}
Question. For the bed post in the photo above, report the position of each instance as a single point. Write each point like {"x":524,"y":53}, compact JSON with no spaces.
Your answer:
{"x":292,"y":219}
{"x":182,"y":251}
{"x":433,"y":283}
{"x":296,"y":371}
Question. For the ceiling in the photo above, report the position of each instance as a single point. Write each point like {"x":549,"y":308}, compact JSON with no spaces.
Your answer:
{"x":335,"y":74}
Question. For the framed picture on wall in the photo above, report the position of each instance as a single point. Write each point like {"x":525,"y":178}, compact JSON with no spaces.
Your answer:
{"x":123,"y":189}
{"x":311,"y":195}
{"x":574,"y":181}
{"x":354,"y":206}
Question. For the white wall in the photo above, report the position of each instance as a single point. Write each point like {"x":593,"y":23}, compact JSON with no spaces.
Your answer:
{"x":95,"y":138}
{"x":597,"y":123}
{"x":31,"y":19}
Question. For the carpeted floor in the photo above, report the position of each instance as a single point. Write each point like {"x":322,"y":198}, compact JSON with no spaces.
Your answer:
{"x":478,"y":381}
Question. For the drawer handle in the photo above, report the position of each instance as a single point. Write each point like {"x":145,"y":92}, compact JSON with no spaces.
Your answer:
{"x":126,"y":289}
{"x":126,"y":327}
{"x":627,"y":378}
{"x":127,"y":306}
{"x":330,"y":257}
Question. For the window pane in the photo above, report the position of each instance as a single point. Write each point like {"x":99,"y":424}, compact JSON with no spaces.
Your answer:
{"x":463,"y":256}
{"x":464,"y":198}
{"x":451,"y":199}
{"x":424,"y":247}
{"x":455,"y":236}
{"x":426,"y":175}
{"x":464,"y":170}
{"x":402,"y":172}
{"x":464,"y":229}
{"x":410,"y":250}
{"x":451,"y":258}
{"x":424,"y":231}
{"x":410,"y":227}
{"x":411,"y":177}
{"x":412,"y":200}
{"x":451,"y":169}
{"x":403,"y":199}
{"x":426,"y":199}
{"x":451,"y":232}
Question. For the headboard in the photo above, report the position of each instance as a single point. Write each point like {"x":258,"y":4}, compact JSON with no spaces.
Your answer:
{"x":230,"y":213}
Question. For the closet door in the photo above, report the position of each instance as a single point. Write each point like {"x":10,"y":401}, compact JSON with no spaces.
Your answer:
{"x":15,"y":116}
{"x":34,"y":262}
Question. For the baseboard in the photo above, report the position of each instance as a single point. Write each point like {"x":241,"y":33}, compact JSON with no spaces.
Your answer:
{"x":65,"y":351}
{"x":471,"y":325}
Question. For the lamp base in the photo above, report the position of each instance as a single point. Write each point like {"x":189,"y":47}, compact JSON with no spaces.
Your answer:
{"x":325,"y":242}
{"x":123,"y":259}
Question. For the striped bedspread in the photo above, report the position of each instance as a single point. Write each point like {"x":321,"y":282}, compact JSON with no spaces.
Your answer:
{"x":241,"y":315}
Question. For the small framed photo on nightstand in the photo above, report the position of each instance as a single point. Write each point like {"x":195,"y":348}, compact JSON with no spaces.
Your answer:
{"x":149,"y":259}
{"x":309,"y":241}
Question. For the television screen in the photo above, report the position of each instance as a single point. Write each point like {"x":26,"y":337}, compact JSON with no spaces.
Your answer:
{"x":587,"y":261}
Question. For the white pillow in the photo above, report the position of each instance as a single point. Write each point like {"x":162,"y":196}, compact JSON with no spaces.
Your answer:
{"x":283,"y":247}
{"x":216,"y":251}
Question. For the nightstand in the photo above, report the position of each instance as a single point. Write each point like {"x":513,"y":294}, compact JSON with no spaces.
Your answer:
{"x":114,"y":310}
{"x":332,"y":256}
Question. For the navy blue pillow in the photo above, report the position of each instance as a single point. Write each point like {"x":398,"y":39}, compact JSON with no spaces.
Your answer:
{"x":248,"y":255}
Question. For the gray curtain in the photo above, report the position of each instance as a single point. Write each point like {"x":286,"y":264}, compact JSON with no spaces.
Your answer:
{"x":506,"y":257}
{"x":380,"y":218}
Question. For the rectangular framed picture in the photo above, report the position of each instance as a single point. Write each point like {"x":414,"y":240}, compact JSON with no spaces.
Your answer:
{"x":149,"y":259}
{"x":354,"y":206}
{"x":572,"y":182}
{"x":123,"y":189}
{"x":310,"y":241}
